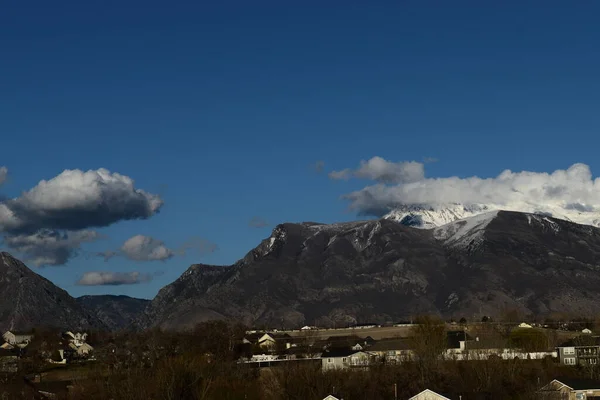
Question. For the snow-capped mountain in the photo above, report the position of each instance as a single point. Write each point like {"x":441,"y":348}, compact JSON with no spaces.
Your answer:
{"x":432,"y":216}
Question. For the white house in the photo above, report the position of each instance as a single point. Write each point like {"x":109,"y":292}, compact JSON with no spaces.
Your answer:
{"x":269,"y":340}
{"x":524,"y":325}
{"x":77,"y":338}
{"x":345,"y":358}
{"x":330,"y":397}
{"x":82,"y":350}
{"x":17,"y":338}
{"x":428,"y":395}
{"x":586,"y":331}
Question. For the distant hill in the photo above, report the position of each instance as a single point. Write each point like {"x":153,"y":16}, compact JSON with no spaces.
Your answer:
{"x":115,"y":312}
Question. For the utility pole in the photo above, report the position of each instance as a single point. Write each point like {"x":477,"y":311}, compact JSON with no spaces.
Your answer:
{"x":395,"y":391}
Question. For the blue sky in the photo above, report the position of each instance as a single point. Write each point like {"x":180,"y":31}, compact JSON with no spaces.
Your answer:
{"x":223,"y":109}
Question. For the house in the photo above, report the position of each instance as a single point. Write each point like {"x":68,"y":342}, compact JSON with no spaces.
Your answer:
{"x":586,"y":331}
{"x":353,"y":341}
{"x":308,"y":328}
{"x":392,"y":350}
{"x":252,"y":337}
{"x":524,"y":325}
{"x":82,"y":350}
{"x":76,"y":338}
{"x":271,"y":340}
{"x":428,"y":395}
{"x":582,"y":350}
{"x":330,"y":397}
{"x":345,"y":358}
{"x":21,"y":339}
{"x":571,"y":389}
{"x":483,"y":348}
{"x":456,"y":343}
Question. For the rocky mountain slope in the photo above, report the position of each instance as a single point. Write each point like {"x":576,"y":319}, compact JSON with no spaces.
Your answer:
{"x":115,"y":312}
{"x":28,"y":300}
{"x":378,"y":271}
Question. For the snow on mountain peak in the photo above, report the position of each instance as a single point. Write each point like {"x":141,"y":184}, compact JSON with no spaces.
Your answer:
{"x":465,"y":232}
{"x":432,"y":216}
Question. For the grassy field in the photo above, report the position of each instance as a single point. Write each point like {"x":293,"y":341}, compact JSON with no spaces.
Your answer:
{"x":386,"y":332}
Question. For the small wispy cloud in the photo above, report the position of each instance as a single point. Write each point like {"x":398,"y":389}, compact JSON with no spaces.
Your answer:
{"x":258,"y":222}
{"x":319,"y":166}
{"x":105,"y":278}
{"x":147,"y":248}
{"x":381,"y":170}
{"x":3,"y":174}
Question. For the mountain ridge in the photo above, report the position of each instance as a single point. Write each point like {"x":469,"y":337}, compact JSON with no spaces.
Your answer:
{"x":28,"y":300}
{"x":379,"y":270}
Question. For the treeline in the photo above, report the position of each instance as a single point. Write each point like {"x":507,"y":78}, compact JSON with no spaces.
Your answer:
{"x":203,"y":364}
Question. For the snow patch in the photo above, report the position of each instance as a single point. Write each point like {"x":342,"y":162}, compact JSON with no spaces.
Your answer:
{"x":465,"y":232}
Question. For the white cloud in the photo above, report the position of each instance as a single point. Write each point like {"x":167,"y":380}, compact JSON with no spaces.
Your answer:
{"x":77,"y":200}
{"x":258,"y":222}
{"x":49,"y":222}
{"x":3,"y":174}
{"x":147,"y":248}
{"x":381,"y":170}
{"x":98,"y":278}
{"x":570,"y":189}
{"x":48,"y":247}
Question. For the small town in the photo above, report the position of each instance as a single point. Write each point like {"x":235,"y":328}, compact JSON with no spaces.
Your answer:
{"x":560,"y":360}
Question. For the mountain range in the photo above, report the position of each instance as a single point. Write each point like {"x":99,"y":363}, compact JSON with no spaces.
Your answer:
{"x":357,"y":272}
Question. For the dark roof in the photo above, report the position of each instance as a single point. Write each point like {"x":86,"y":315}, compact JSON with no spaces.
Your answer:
{"x":278,"y":335}
{"x":391,"y":344}
{"x":583,"y":340}
{"x":349,"y":338}
{"x":341,"y":352}
{"x":19,"y":333}
{"x":487,"y":343}
{"x":253,"y":337}
{"x":455,"y":337}
{"x":580,"y":384}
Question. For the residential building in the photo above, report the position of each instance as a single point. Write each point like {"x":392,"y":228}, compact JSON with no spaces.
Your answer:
{"x":483,"y":348}
{"x":330,"y":397}
{"x":456,"y":343}
{"x":582,"y":350}
{"x":82,"y":350}
{"x":77,"y":338}
{"x":17,"y":338}
{"x":392,"y":350}
{"x":271,"y":340}
{"x":345,"y":358}
{"x":353,"y":341}
{"x":428,"y":395}
{"x":570,"y":389}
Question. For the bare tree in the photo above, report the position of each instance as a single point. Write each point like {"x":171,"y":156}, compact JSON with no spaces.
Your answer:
{"x":428,"y":342}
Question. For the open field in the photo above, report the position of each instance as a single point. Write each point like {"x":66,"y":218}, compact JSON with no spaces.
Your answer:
{"x":385,"y":332}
